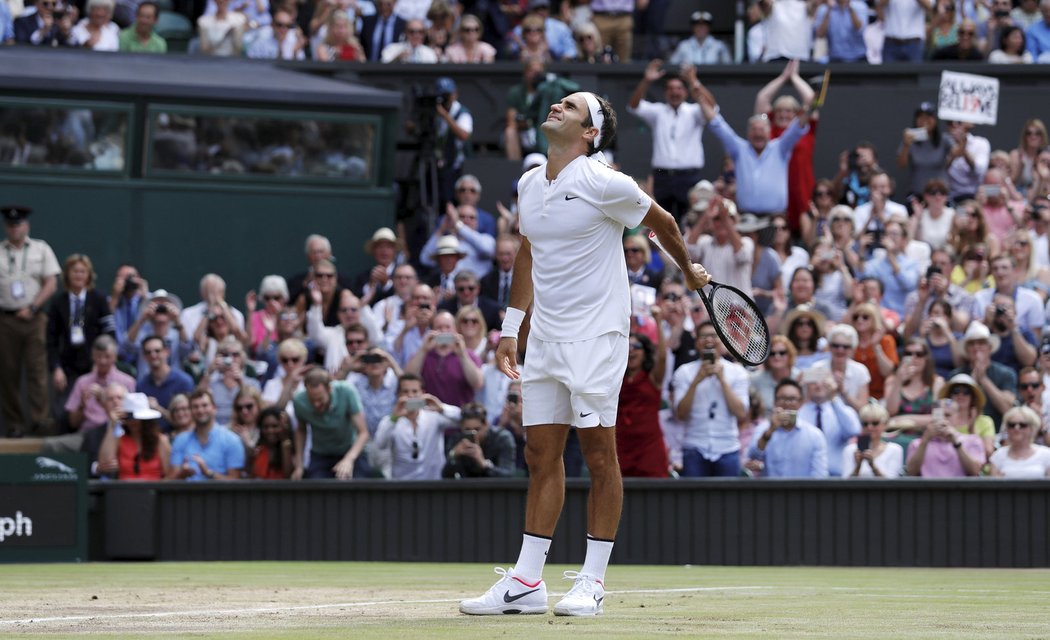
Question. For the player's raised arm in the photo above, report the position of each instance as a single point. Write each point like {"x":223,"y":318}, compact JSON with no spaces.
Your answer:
{"x":663,"y":224}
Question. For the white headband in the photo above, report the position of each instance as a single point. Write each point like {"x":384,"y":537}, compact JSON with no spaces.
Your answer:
{"x":597,"y":119}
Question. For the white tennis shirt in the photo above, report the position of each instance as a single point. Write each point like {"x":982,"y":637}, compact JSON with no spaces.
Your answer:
{"x":575,"y":224}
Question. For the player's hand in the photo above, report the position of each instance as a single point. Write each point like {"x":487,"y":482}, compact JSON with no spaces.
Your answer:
{"x":697,"y":277}
{"x":507,"y":357}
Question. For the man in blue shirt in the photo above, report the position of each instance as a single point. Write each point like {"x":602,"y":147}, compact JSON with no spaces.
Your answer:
{"x":790,"y":448}
{"x":161,"y":383}
{"x":827,"y":410}
{"x":761,"y":163}
{"x":1038,"y":35}
{"x":209,"y":451}
{"x":842,"y":23}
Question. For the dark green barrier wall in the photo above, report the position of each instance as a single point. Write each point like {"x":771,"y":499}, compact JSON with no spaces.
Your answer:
{"x":907,"y":522}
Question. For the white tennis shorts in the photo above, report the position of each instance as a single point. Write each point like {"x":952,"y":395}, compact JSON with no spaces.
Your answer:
{"x":575,"y":383}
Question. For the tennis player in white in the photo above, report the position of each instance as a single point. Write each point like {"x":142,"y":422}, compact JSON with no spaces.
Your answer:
{"x":571,"y":270}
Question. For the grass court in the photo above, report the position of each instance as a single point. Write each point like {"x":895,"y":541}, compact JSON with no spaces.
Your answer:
{"x":405,"y":601}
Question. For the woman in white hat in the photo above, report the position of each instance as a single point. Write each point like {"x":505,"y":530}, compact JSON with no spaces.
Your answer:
{"x":140,"y":451}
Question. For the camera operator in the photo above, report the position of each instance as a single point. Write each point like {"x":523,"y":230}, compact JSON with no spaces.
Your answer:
{"x":1017,"y":345}
{"x":480,"y":450}
{"x":451,"y":130}
{"x":127,"y":294}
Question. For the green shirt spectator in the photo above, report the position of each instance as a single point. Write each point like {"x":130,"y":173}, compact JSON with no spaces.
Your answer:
{"x":140,"y":37}
{"x":130,"y":42}
{"x":333,"y":430}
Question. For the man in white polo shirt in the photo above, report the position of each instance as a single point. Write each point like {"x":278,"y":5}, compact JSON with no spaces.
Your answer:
{"x":677,"y":126}
{"x":571,"y":269}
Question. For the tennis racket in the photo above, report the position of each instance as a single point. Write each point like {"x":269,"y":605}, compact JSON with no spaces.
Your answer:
{"x":737,"y":320}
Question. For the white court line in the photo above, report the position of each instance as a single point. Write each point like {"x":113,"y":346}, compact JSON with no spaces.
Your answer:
{"x":314,"y":607}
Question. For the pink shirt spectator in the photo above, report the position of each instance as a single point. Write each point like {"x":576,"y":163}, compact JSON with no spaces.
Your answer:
{"x":260,"y":333}
{"x":443,"y":377}
{"x":483,"y":52}
{"x":1000,"y":220}
{"x":942,"y":461}
{"x":94,"y":414}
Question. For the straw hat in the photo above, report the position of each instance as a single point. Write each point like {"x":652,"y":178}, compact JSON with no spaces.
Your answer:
{"x":803,"y":310}
{"x":977,"y":331}
{"x":382,"y":234}
{"x":137,"y":406}
{"x":447,"y":246}
{"x":962,"y":379}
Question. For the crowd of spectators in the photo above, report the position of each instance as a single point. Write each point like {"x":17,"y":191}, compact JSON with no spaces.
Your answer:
{"x":908,"y":318}
{"x":593,"y":31}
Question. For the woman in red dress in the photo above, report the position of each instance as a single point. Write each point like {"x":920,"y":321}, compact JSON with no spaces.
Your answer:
{"x":272,"y":456}
{"x":142,"y":452}
{"x":640,"y":443}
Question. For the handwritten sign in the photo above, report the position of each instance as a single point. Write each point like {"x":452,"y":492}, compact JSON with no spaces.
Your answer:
{"x":966,"y":97}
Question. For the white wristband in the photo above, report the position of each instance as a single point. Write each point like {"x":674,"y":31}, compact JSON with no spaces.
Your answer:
{"x":512,"y":323}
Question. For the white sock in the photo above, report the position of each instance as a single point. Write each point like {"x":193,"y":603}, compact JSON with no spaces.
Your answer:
{"x":597,"y":559}
{"x":532,"y":557}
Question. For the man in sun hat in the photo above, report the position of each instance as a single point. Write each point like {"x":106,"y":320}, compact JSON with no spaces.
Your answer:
{"x":446,"y":254}
{"x":998,"y":382}
{"x":377,"y":282}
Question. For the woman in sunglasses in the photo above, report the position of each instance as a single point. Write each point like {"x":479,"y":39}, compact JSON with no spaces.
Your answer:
{"x":804,"y":328}
{"x":780,"y":365}
{"x":910,"y":391}
{"x":1023,"y":158}
{"x":876,"y":349}
{"x":871,"y":456}
{"x":933,"y":213}
{"x":469,"y":48}
{"x":1030,"y":274}
{"x":968,"y":417}
{"x":1021,"y":458}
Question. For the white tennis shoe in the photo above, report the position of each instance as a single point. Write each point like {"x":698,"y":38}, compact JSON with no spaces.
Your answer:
{"x":586,"y":598}
{"x":510,"y":595}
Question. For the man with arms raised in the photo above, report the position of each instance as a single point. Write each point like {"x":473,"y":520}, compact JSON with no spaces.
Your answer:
{"x":571,"y":268}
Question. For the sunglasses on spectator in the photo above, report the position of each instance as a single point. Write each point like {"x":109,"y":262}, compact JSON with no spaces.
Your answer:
{"x":841,"y":346}
{"x":860,"y":316}
{"x":273,"y":298}
{"x":637,"y":345}
{"x":350,"y":341}
{"x":470,"y":321}
{"x":283,"y":25}
{"x":917,"y":354}
{"x":470,"y":29}
{"x":245,"y":407}
{"x":956,"y":391}
{"x":324,"y":274}
{"x":966,"y":32}
{"x":782,"y":352}
{"x":804,"y":323}
{"x":1030,"y":385}
{"x":531,"y":30}
{"x":470,"y":189}
{"x":788,"y":399}
{"x":152,"y":352}
{"x":632,"y":250}
{"x":290,"y":359}
{"x":870,"y":423}
{"x":229,"y":354}
{"x":415,"y":449}
{"x":673,"y":297}
{"x":936,"y":192}
{"x":466,"y":287}
{"x":819,"y":194}
{"x":1033,"y":132}
{"x":1017,"y":425}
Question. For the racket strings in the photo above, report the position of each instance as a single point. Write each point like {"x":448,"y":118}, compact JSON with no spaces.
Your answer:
{"x":742,"y":325}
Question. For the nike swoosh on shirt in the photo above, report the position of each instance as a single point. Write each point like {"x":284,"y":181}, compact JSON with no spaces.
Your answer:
{"x":571,"y":197}
{"x":509,"y":598}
